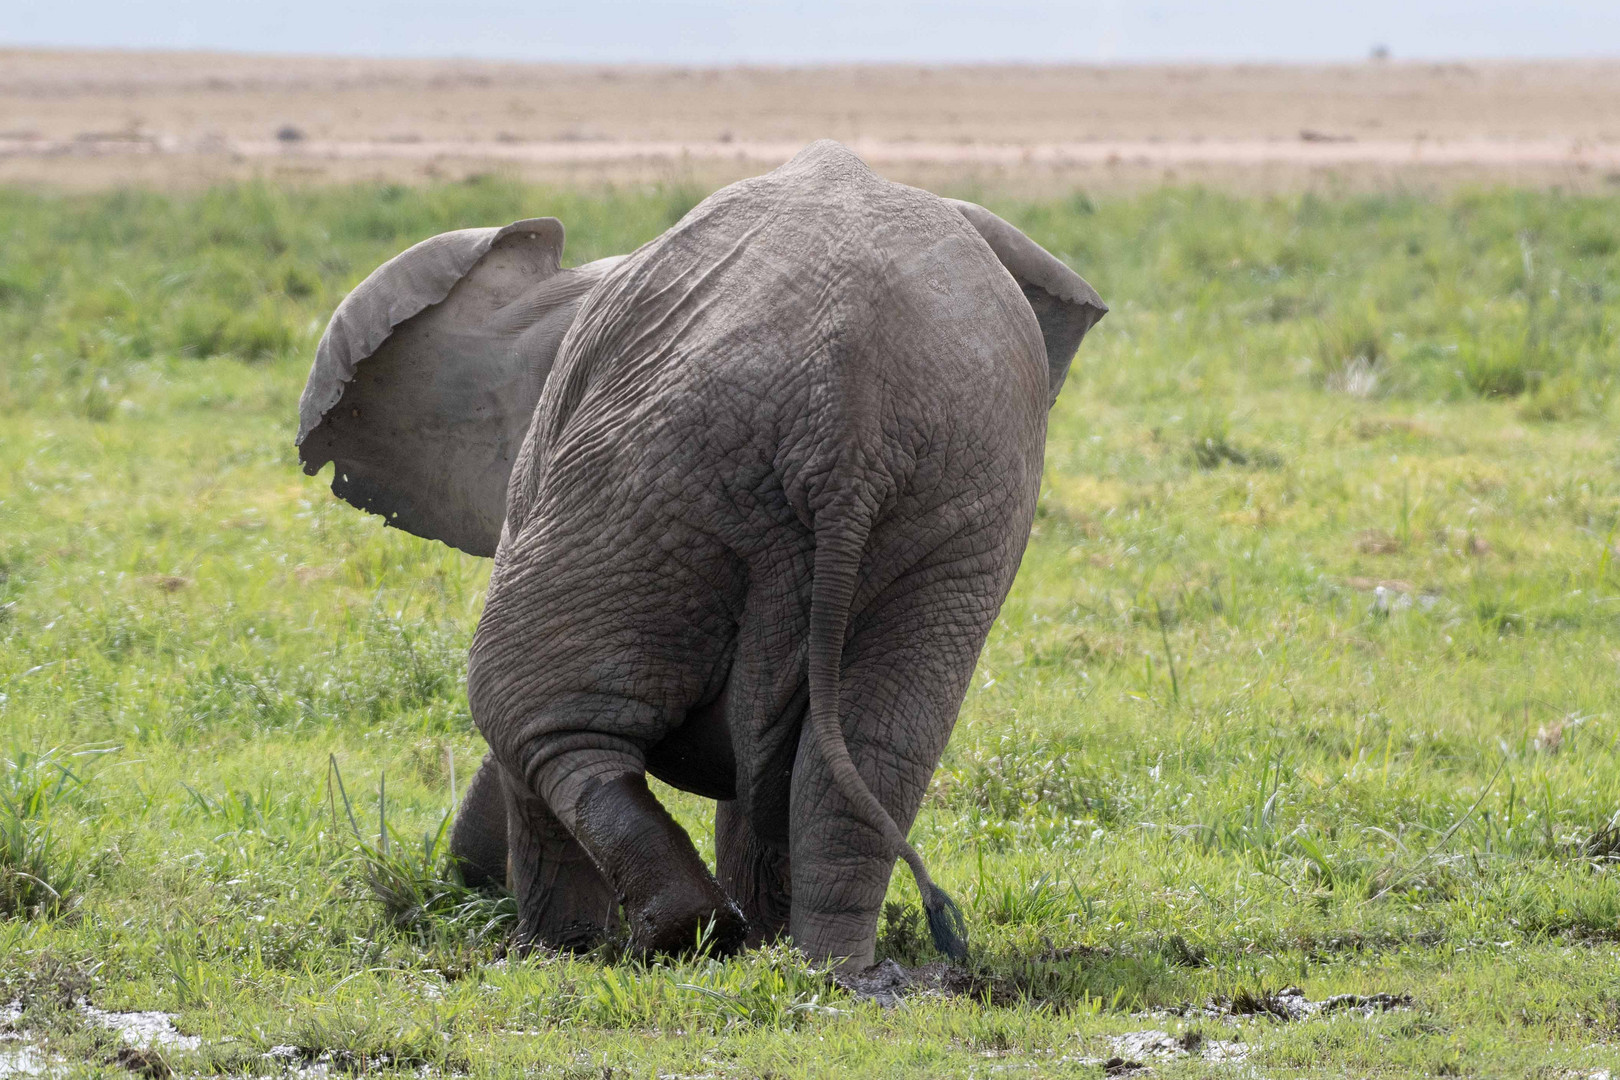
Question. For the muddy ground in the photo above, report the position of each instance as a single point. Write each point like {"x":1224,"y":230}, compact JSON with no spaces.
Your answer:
{"x":98,"y":119}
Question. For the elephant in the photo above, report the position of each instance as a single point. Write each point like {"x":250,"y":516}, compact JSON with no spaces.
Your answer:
{"x":755,"y":495}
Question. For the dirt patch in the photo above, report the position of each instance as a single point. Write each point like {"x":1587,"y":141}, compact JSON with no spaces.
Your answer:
{"x":1135,"y":1046}
{"x":888,"y":983}
{"x":168,"y":583}
{"x":1031,"y":168}
{"x":141,"y":1030}
{"x":1290,"y":1003}
{"x":1377,"y":542}
{"x":1377,"y":427}
{"x":96,"y":119}
{"x":144,"y":1062}
{"x":147,"y":1039}
{"x":1367,"y":584}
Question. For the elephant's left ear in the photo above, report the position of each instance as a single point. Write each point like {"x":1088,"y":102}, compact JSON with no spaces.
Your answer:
{"x":426,"y":379}
{"x":1064,"y":305}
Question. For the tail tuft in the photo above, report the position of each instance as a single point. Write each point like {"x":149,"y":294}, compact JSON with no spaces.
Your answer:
{"x":945,"y":923}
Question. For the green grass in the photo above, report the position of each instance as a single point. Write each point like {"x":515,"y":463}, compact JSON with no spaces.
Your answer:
{"x":1309,"y":676}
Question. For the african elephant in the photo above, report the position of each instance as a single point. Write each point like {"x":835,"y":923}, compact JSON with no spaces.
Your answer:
{"x":755,"y":494}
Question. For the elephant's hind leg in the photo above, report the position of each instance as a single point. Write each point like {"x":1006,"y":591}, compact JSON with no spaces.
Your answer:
{"x":588,"y":655}
{"x":564,"y":902}
{"x":673,"y":903}
{"x":905,"y":671}
{"x":593,"y":783}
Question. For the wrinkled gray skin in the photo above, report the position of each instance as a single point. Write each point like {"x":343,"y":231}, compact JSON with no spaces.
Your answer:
{"x":755,"y":494}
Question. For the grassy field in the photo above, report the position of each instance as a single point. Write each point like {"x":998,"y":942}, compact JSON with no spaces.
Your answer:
{"x":1309,"y":677}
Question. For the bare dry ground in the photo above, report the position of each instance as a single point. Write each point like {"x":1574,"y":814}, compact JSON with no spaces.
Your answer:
{"x":95,"y":119}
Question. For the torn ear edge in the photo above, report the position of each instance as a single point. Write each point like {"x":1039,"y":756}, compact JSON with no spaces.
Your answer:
{"x":1064,"y":304}
{"x":398,"y":290}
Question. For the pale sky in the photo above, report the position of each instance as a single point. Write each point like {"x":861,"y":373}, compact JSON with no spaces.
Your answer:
{"x":792,"y":31}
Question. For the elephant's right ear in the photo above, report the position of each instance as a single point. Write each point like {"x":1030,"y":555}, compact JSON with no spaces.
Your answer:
{"x":1064,"y":305}
{"x":426,"y":379}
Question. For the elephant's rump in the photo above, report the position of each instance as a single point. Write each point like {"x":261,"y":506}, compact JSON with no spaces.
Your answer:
{"x":794,"y":332}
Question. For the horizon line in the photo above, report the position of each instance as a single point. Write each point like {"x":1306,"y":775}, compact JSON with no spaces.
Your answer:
{"x":1190,"y":60}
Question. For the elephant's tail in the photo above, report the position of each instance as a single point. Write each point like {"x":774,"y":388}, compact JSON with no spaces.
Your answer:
{"x":840,"y":542}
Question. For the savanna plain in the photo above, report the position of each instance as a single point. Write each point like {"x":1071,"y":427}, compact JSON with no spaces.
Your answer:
{"x":1296,"y":742}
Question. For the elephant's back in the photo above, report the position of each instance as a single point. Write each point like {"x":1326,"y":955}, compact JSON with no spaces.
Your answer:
{"x":823,"y":263}
{"x":812,"y":313}
{"x":816,"y":282}
{"x":811,"y":328}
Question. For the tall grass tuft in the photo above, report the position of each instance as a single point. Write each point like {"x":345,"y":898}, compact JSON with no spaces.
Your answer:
{"x":775,"y":988}
{"x":1021,"y":776}
{"x":1354,"y":352}
{"x":1498,"y":369}
{"x":41,"y":876}
{"x":418,"y":887}
{"x":1038,"y":901}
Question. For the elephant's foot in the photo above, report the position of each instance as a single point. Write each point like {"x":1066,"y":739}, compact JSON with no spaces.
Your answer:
{"x":564,"y":902}
{"x":672,"y":902}
{"x":844,"y":940}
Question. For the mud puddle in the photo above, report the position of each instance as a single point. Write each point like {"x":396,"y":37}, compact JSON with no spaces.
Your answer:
{"x":147,"y":1038}
{"x":17,"y":1058}
{"x":890,"y":984}
{"x":1289,"y":1003}
{"x":1137,"y":1051}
